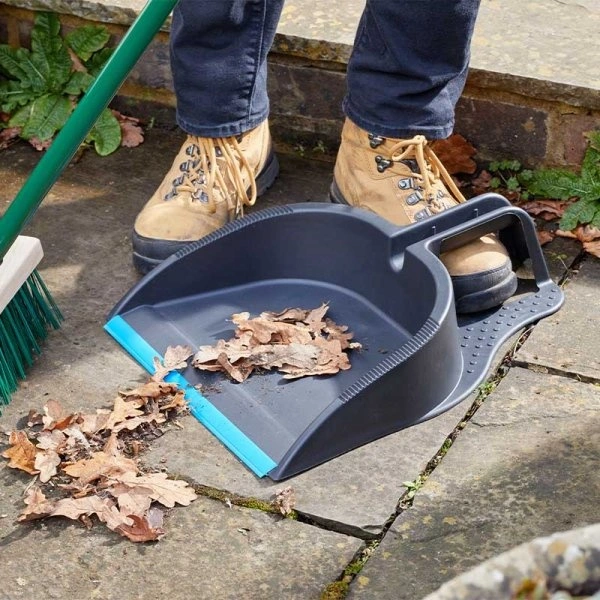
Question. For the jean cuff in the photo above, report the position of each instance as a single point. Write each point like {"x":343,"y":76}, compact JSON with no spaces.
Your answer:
{"x":232,"y":128}
{"x":430,"y":132}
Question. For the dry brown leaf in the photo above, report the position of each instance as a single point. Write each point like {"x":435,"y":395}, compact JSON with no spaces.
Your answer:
{"x":94,"y":423}
{"x":481,"y":183}
{"x":592,"y":248}
{"x":38,"y":506}
{"x":75,"y":438}
{"x":104,"y":508}
{"x":46,"y":463}
{"x":101,"y":464}
{"x":545,"y":209}
{"x":166,"y":491}
{"x":112,"y":445}
{"x":239,"y":373}
{"x":21,"y":453}
{"x":307,"y":346}
{"x":456,"y":154}
{"x":76,"y":63}
{"x":55,"y":416}
{"x":276,"y":332}
{"x":51,"y":440}
{"x":132,"y":134}
{"x":544,"y":236}
{"x":583,"y":233}
{"x":78,"y":489}
{"x":141,"y":530}
{"x":134,"y":423}
{"x":123,"y":410}
{"x":152,"y":389}
{"x":40,"y":145}
{"x":8,"y":136}
{"x":175,"y":358}
{"x":177,"y":402}
{"x":131,"y":500}
{"x":285,"y":500}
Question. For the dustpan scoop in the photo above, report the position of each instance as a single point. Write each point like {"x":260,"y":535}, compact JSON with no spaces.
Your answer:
{"x":388,"y":285}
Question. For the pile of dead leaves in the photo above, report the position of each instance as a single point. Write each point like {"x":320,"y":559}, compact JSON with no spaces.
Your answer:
{"x":87,"y":464}
{"x":296,"y":342}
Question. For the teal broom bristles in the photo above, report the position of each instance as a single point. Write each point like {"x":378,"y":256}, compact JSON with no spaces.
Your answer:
{"x":28,"y":315}
{"x":24,"y":322}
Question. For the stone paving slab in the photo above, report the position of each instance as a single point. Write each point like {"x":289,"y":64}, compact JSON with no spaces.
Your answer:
{"x":568,"y":340}
{"x":524,"y":467}
{"x":84,"y":226}
{"x":355,"y":493}
{"x":210,"y":551}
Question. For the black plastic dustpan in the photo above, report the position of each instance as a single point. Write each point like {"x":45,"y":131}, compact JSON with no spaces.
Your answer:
{"x":387,"y":284}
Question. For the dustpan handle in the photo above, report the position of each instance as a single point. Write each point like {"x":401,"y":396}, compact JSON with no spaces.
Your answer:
{"x":485,"y":214}
{"x":82,"y":119}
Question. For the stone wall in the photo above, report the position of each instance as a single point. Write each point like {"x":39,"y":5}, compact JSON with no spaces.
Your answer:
{"x":502,"y":116}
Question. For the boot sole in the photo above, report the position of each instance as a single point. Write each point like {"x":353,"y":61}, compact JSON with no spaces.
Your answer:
{"x":149,"y":253}
{"x":472,"y":293}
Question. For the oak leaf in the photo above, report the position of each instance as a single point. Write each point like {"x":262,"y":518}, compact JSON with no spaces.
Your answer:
{"x":132,"y":134}
{"x":123,"y":410}
{"x":175,"y":358}
{"x":131,"y":500}
{"x":152,"y":389}
{"x":456,"y":154}
{"x":51,"y":440}
{"x":141,"y":530}
{"x":104,"y":508}
{"x":166,"y":491}
{"x":101,"y":464}
{"x":93,"y":423}
{"x":55,"y":416}
{"x":592,"y":248}
{"x":297,"y":342}
{"x":135,"y":422}
{"x":38,"y":506}
{"x":46,"y":463}
{"x":21,"y":453}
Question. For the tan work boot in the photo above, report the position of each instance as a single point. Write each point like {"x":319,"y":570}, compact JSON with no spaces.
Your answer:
{"x":404,"y":181}
{"x":210,"y":182}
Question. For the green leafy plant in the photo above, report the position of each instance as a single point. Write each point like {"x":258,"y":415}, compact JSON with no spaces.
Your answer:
{"x":413,"y":487}
{"x":564,"y":185}
{"x":40,"y":87}
{"x":508,"y":175}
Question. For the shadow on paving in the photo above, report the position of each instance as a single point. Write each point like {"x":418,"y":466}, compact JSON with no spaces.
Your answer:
{"x":525,"y":466}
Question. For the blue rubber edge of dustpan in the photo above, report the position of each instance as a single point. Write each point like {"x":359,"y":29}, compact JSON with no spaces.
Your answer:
{"x":230,"y":435}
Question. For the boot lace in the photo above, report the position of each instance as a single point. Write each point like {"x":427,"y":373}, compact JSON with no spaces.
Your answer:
{"x":430,"y":170}
{"x":210,"y":161}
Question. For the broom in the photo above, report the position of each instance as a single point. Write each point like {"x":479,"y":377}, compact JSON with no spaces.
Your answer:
{"x":27,"y":310}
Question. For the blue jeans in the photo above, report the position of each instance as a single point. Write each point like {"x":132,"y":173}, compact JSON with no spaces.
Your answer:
{"x":406,"y":72}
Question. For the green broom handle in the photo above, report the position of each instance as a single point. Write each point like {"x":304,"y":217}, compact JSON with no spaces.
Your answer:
{"x":82,"y":119}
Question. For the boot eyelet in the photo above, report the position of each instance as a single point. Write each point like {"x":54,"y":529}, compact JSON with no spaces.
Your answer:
{"x":382,"y":163}
{"x":375,"y":140}
{"x":422,"y":214}
{"x":407,"y":184}
{"x":414,"y":198}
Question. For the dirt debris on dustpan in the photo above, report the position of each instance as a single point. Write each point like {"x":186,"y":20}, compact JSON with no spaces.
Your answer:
{"x":297,"y":342}
{"x":87,"y":464}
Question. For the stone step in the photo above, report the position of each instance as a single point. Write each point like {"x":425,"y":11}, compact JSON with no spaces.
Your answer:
{"x":532,"y":92}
